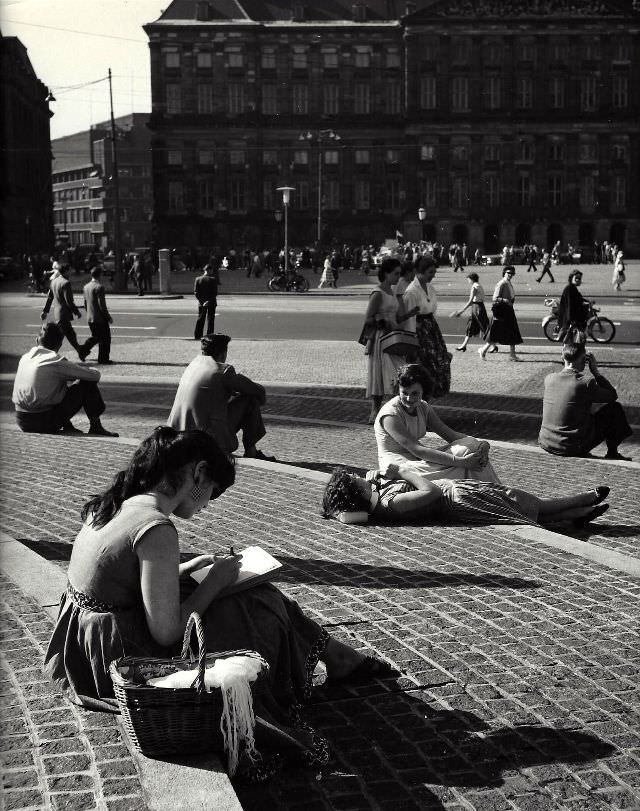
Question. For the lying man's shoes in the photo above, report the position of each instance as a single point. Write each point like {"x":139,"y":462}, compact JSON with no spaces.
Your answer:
{"x":99,"y":430}
{"x":260,"y":455}
{"x":617,"y":455}
{"x":601,"y":492}
{"x":596,"y":512}
{"x":369,"y":668}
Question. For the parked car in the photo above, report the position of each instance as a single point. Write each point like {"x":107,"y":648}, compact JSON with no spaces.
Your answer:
{"x":491,"y":259}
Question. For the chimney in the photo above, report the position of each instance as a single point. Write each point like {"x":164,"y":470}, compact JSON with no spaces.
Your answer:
{"x":359,"y":11}
{"x":203,"y":11}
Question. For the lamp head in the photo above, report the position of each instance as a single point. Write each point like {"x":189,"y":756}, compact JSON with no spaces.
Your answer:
{"x":422,"y":213}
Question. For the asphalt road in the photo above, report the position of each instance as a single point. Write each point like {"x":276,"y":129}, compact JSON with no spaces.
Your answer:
{"x":271,"y":317}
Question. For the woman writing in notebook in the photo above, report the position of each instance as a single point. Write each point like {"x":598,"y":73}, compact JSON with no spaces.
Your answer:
{"x":124,"y":594}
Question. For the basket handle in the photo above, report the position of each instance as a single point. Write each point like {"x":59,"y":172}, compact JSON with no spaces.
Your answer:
{"x":194,"y":619}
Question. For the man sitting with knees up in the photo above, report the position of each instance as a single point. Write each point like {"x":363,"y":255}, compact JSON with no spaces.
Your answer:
{"x":570,"y":424}
{"x":44,"y":394}
{"x":213,"y":397}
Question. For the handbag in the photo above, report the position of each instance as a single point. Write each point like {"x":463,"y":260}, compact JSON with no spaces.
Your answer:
{"x":367,"y":333}
{"x":171,"y":721}
{"x":399,"y":342}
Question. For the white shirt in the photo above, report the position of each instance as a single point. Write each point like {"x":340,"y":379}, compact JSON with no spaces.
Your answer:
{"x":415,"y":296}
{"x":42,"y":377}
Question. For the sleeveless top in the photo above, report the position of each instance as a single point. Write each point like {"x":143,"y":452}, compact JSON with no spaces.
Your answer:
{"x":388,"y":307}
{"x":415,"y":425}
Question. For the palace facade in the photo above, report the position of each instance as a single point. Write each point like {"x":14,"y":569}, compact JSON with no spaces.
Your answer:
{"x":507,"y":122}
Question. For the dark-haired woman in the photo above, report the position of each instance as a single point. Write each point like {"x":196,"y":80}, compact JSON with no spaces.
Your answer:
{"x":478,"y":319}
{"x":397,"y":495}
{"x":503,"y":327}
{"x":385,"y":312}
{"x":407,"y":418}
{"x":124,"y":593}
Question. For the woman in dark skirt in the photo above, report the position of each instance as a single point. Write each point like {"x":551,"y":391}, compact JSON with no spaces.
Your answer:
{"x":478,"y":319}
{"x":503,"y":327}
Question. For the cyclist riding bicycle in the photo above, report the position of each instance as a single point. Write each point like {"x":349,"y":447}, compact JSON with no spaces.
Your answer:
{"x":573,"y":310}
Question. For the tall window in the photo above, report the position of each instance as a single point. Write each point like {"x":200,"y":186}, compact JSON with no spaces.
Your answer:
{"x":619,"y":192}
{"x":590,"y":49}
{"x":362,"y":157}
{"x":237,"y":157}
{"x":362,"y":98}
{"x":302,"y":196}
{"x":269,"y":157}
{"x":204,"y":59}
{"x":620,"y":91}
{"x":299,"y":60}
{"x":492,"y":190}
{"x":492,"y":92}
{"x":393,"y":193}
{"x":428,"y":98}
{"x":176,"y":195}
{"x":556,"y":92}
{"x":460,"y":192}
{"x":362,"y":59}
{"x":526,"y":151}
{"x":556,"y":150}
{"x":619,"y":152}
{"x":588,"y":93}
{"x":427,"y":152}
{"x":205,"y":98}
{"x":492,"y":52}
{"x":174,"y":99}
{"x":268,"y":194}
{"x":555,"y":189}
{"x":235,"y":58}
{"x":332,"y":194}
{"x":363,"y":195}
{"x":525,"y":190}
{"x":429,"y":191}
{"x":557,"y":50}
{"x":587,"y":192}
{"x":492,"y":152}
{"x":331,"y":157}
{"x":172,"y":58}
{"x":174,"y":157}
{"x":525,"y":50}
{"x":268,"y":59}
{"x":393,"y":97}
{"x":330,"y":59}
{"x":331,"y":99}
{"x":460,"y":152}
{"x":524,"y":93}
{"x":270,"y":99}
{"x":206,"y":200}
{"x":206,"y":157}
{"x":393,"y":58}
{"x":621,"y":49}
{"x":460,"y":94}
{"x":237,"y":187}
{"x":300,"y":99}
{"x":460,"y":50}
{"x":301,"y":157}
{"x":235,"y":97}
{"x":588,"y":151}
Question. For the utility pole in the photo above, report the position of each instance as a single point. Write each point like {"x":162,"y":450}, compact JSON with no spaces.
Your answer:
{"x":120,"y":280}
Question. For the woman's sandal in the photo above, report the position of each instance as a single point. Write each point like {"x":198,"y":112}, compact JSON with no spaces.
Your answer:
{"x":368,"y":669}
{"x":596,"y":512}
{"x":601,"y":492}
{"x":461,"y":348}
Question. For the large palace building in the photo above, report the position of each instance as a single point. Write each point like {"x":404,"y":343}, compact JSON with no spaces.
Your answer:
{"x":507,"y":121}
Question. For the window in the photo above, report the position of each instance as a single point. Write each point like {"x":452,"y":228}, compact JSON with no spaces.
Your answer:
{"x":557,"y":50}
{"x":206,"y":195}
{"x":270,"y":99}
{"x":205,"y":98}
{"x":174,"y":99}
{"x":300,"y":99}
{"x":430,"y":49}
{"x":330,"y":59}
{"x":393,"y":193}
{"x":172,"y":58}
{"x":588,"y":151}
{"x":492,"y":190}
{"x":237,"y":157}
{"x":492,"y":152}
{"x":492,"y":52}
{"x":206,"y":157}
{"x":525,"y":50}
{"x":268,"y":59}
{"x":526,"y":151}
{"x":363,"y":195}
{"x":235,"y":98}
{"x":460,"y":192}
{"x":331,"y":157}
{"x":235,"y":59}
{"x":393,"y":97}
{"x":619,"y":192}
{"x":268,"y":194}
{"x":331,"y":99}
{"x":362,"y":99}
{"x":429,"y":191}
{"x":524,"y":93}
{"x":176,"y":195}
{"x":588,"y":93}
{"x":587,"y":192}
{"x":556,"y":151}
{"x":237,"y":186}
{"x":331,"y":198}
{"x":299,"y":61}
{"x":619,"y":152}
{"x":204,"y":59}
{"x":620,"y":91}
{"x":362,"y":59}
{"x":556,"y":92}
{"x":460,"y":152}
{"x":301,"y":157}
{"x":362,"y":157}
{"x":555,"y":188}
{"x":460,"y":94}
{"x":621,"y":50}
{"x":460,"y":50}
{"x":270,"y":158}
{"x":428,"y":152}
{"x":525,"y":191}
{"x":392,"y":156}
{"x":590,"y":49}
{"x":428,"y":93}
{"x":302,"y":197}
{"x":492,"y":92}
{"x":174,"y":157}
{"x":392,"y":59}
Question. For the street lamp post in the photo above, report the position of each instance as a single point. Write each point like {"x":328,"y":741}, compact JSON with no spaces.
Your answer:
{"x":286,"y":197}
{"x":422,"y":216}
{"x":320,"y":136}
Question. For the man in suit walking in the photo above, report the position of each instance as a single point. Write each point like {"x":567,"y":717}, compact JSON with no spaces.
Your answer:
{"x":64,"y":309}
{"x":98,"y":316}
{"x":205,"y":289}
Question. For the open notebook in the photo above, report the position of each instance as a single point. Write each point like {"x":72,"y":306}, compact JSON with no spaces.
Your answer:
{"x":257,"y":567}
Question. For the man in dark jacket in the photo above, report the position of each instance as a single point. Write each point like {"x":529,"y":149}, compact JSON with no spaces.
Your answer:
{"x":573,"y":309}
{"x":98,"y":316}
{"x":205,"y":289}
{"x":64,"y":309}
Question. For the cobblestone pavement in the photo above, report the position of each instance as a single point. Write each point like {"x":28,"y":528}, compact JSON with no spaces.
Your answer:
{"x":521,"y":661}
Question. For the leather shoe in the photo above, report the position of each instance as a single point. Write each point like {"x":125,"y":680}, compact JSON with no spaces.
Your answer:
{"x":596,"y":512}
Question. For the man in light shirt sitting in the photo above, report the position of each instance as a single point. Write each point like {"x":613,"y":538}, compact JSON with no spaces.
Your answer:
{"x":44,"y":394}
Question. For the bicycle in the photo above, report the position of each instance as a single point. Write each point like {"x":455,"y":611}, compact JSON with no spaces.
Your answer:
{"x":599,"y":328}
{"x":291,"y":282}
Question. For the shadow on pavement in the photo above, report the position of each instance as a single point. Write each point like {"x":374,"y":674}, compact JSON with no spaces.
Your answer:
{"x":399,"y":751}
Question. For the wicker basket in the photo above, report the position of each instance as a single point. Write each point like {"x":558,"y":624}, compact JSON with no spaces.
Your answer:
{"x":171,"y":721}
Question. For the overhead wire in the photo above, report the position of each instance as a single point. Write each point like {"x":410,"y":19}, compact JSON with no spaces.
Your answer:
{"x":75,"y":31}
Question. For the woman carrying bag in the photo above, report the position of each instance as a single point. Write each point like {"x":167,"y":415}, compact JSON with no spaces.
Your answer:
{"x":503,"y":327}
